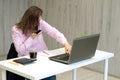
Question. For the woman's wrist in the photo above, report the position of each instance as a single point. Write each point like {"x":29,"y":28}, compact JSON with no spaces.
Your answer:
{"x":67,"y":47}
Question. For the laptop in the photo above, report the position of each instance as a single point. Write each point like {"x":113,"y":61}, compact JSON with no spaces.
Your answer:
{"x":82,"y":48}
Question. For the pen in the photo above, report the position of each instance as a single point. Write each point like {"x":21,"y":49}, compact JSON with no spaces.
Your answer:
{"x":45,"y":52}
{"x":14,"y":63}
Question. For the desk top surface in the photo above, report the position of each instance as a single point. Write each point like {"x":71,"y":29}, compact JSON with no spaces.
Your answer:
{"x":44,"y":67}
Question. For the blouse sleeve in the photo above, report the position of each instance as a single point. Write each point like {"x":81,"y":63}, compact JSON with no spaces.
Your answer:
{"x":21,"y":45}
{"x":52,"y":31}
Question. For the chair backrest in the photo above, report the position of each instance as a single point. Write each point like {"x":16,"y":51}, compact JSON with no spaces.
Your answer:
{"x":12,"y":52}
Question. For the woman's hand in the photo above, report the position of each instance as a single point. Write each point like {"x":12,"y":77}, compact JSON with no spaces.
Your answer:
{"x":67,"y":47}
{"x":33,"y":35}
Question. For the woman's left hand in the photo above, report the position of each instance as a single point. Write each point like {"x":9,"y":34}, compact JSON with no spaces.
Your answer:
{"x":68,"y":48}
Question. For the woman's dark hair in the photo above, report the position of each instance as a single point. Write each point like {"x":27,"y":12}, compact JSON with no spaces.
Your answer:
{"x":30,"y":19}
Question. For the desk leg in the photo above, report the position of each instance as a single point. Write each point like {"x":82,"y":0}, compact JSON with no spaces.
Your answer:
{"x":106,"y":70}
{"x":74,"y":74}
{"x":3,"y":74}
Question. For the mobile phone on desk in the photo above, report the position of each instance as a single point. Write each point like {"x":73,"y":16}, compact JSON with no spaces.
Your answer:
{"x":38,"y":31}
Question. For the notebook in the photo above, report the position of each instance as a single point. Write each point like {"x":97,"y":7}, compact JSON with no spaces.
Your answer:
{"x":24,"y":60}
{"x":82,"y":48}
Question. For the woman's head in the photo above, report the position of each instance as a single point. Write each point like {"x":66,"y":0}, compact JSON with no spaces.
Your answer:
{"x":30,"y":19}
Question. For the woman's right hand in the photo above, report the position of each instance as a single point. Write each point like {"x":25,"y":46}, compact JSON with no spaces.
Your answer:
{"x":33,"y":35}
{"x":67,"y":47}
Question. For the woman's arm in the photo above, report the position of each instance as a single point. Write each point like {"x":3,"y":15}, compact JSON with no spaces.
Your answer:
{"x":54,"y":33}
{"x":19,"y":41}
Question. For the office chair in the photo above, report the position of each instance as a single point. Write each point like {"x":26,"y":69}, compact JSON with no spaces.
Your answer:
{"x":12,"y":54}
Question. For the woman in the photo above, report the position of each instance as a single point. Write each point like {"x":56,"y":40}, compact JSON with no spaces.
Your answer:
{"x":25,"y":39}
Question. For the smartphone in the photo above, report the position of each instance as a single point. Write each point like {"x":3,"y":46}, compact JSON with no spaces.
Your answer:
{"x":38,"y":31}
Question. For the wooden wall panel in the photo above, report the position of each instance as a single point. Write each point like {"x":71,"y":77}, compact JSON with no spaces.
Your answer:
{"x":1,"y":28}
{"x":10,"y":13}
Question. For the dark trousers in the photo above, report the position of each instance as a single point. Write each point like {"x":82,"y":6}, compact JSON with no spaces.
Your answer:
{"x":50,"y":78}
{"x":12,"y":76}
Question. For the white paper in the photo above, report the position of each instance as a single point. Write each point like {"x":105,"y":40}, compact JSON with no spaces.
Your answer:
{"x":49,"y":53}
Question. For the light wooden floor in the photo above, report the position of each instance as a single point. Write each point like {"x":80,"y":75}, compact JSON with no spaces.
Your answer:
{"x":82,"y":74}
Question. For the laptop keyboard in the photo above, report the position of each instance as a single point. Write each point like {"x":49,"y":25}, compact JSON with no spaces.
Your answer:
{"x":64,"y":57}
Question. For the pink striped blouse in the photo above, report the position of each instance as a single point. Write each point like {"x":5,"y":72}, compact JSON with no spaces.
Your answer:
{"x":24,"y":44}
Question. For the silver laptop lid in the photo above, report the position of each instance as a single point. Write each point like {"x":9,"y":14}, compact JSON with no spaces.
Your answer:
{"x":83,"y":48}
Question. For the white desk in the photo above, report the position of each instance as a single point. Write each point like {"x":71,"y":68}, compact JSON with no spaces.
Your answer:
{"x":44,"y":67}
